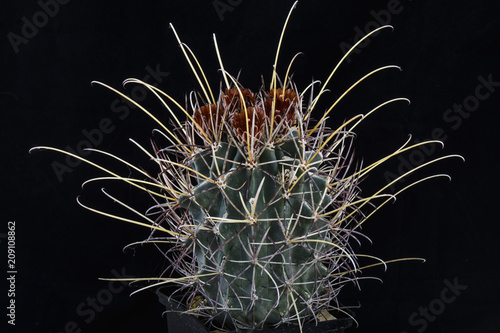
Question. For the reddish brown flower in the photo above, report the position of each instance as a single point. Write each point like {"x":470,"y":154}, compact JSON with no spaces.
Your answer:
{"x":208,"y":118}
{"x":285,"y":107}
{"x":256,"y":120}
{"x":232,"y":102}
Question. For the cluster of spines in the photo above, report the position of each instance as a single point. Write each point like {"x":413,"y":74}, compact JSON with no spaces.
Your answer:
{"x":292,"y":226}
{"x":318,"y":148}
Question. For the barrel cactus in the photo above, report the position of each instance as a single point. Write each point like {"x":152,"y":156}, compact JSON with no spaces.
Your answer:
{"x":258,"y":201}
{"x":268,"y":211}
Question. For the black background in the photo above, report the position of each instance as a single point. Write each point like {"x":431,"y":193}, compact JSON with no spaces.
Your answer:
{"x":46,"y":99}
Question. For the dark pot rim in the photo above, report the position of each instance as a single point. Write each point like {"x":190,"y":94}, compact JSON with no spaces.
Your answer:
{"x":180,"y":323}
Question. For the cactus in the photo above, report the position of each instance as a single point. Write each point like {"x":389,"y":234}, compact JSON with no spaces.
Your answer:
{"x":258,"y":201}
{"x":266,"y":233}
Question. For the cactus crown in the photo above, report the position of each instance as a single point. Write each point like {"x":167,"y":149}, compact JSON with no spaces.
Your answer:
{"x":249,"y":118}
{"x":258,"y":204}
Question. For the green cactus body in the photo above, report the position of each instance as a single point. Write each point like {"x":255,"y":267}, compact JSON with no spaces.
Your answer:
{"x":262,"y":237}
